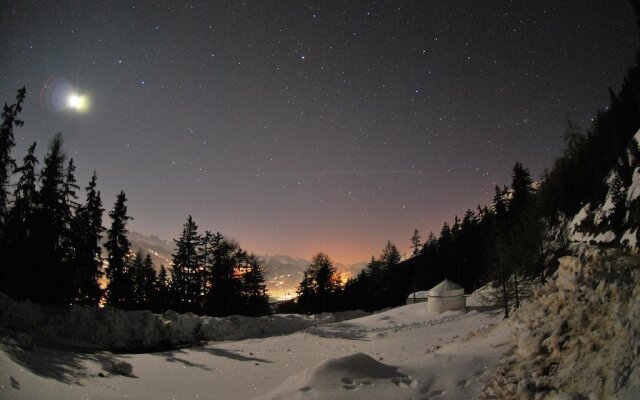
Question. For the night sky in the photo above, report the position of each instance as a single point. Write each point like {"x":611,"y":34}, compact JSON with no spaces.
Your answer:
{"x":300,"y":126}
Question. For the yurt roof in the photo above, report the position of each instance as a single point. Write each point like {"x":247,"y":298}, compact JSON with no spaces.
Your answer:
{"x":419,"y":295}
{"x":446,"y":288}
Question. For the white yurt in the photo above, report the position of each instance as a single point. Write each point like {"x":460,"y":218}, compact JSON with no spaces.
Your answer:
{"x":445,"y":296}
{"x":418,"y":297}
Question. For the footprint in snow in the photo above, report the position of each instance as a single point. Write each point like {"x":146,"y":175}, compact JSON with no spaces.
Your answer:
{"x":462,"y":383}
{"x":352,"y":384}
{"x":14,"y":383}
{"x":305,"y":389}
{"x":405,"y":382}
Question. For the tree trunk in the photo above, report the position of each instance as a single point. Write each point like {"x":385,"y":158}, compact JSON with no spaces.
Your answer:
{"x":515,"y":283}
{"x":505,"y":299}
{"x":542,"y":279}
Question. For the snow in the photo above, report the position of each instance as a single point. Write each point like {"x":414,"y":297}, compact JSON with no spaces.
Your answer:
{"x":605,"y":210}
{"x":634,"y":189}
{"x":399,"y":353}
{"x":636,"y":137}
{"x":572,"y":228}
{"x":446,"y":288}
{"x":419,"y":295}
{"x":580,"y":339}
{"x":629,"y":239}
{"x":114,"y":329}
{"x":605,"y":237}
{"x":575,"y":235}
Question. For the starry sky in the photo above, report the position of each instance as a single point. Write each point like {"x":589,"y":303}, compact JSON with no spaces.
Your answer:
{"x":303,"y":126}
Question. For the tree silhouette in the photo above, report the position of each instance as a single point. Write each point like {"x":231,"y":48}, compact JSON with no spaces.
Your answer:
{"x":119,"y":287}
{"x":17,"y":242}
{"x":86,"y":233}
{"x":254,"y":289}
{"x":187,"y":270}
{"x":7,"y":164}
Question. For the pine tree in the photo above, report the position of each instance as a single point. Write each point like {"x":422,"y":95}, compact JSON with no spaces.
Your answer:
{"x":224,"y":296}
{"x":52,"y":226}
{"x":415,"y":242}
{"x":149,"y":285}
{"x":17,"y":243}
{"x":521,"y":187}
{"x":187,"y":270}
{"x":119,"y":287}
{"x":319,"y":283}
{"x":416,"y":247}
{"x":306,"y":293}
{"x":7,"y":164}
{"x":497,"y":250}
{"x":144,"y":279}
{"x":136,"y":273}
{"x":254,"y":289}
{"x":69,"y":208}
{"x":161,"y":298}
{"x":86,"y":233}
{"x":390,"y":255}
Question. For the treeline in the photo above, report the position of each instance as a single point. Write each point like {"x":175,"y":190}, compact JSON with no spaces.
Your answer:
{"x":503,"y":243}
{"x":50,"y":245}
{"x":510,"y":243}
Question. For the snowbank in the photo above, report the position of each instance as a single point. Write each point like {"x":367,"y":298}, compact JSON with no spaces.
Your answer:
{"x":580,"y":339}
{"x":118,"y":330}
{"x":356,"y":372}
{"x":400,"y":353}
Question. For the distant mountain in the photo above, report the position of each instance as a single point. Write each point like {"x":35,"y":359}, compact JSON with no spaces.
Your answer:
{"x":159,"y":249}
{"x":282,"y":273}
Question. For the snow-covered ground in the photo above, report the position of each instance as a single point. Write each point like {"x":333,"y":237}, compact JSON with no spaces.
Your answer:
{"x":400,"y":353}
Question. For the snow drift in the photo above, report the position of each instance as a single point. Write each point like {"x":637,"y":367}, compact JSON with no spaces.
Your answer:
{"x":580,"y":339}
{"x":118,"y":330}
{"x":337,"y":377}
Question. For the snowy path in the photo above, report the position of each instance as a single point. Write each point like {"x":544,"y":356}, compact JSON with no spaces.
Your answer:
{"x":401,"y":353}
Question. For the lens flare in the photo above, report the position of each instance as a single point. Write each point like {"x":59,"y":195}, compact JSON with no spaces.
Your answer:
{"x":58,"y":95}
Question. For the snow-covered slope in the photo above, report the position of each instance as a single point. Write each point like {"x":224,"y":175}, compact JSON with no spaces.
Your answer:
{"x":400,"y":353}
{"x":580,"y":339}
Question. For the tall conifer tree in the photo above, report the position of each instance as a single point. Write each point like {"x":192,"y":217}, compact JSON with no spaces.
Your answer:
{"x":16,"y":244}
{"x":7,"y":141}
{"x":120,"y":287}
{"x":187,"y":270}
{"x":86,"y":232}
{"x":52,"y":286}
{"x":255,"y":289}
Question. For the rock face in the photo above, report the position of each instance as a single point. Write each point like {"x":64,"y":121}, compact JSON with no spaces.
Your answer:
{"x":579,"y":340}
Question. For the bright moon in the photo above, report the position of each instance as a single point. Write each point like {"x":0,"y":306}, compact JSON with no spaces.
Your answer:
{"x":77,"y":102}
